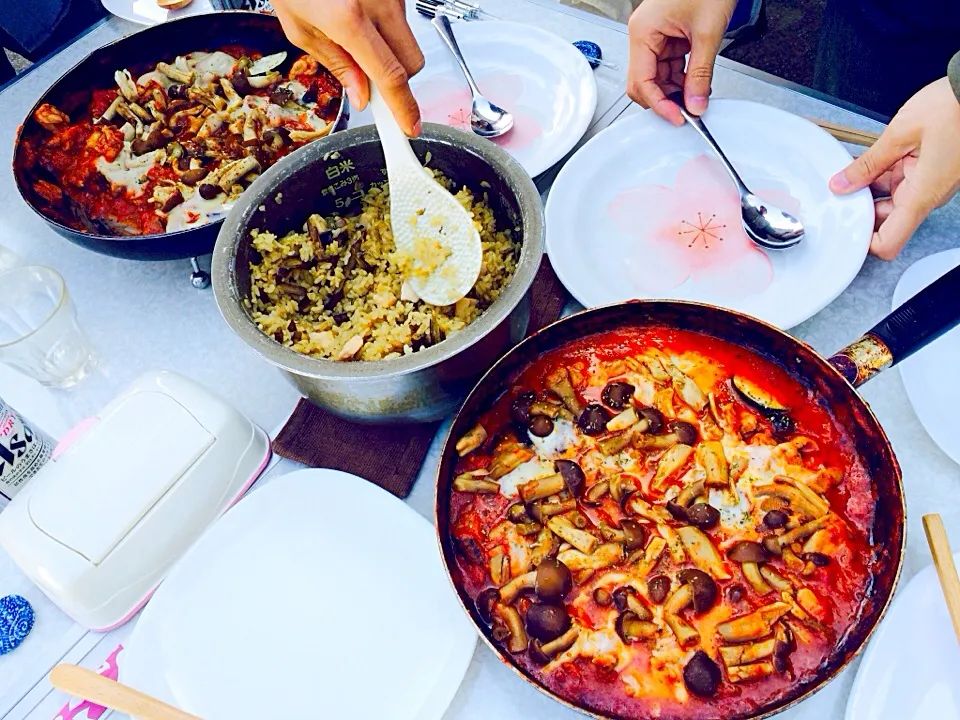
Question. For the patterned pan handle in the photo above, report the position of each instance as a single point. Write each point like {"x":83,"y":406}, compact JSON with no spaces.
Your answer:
{"x":918,"y":322}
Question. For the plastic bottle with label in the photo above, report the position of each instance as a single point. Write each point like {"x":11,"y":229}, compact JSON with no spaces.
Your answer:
{"x":23,"y":451}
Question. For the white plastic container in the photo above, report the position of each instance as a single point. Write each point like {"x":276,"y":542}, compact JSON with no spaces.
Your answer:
{"x":127,"y":493}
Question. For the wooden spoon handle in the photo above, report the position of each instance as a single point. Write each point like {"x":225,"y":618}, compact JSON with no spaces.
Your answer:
{"x":96,"y":688}
{"x":946,"y":570}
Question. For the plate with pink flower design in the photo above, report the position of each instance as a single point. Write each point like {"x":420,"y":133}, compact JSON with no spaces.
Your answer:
{"x":644,"y":211}
{"x":541,"y":79}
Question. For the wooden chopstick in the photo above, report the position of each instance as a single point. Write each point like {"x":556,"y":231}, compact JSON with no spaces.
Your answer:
{"x":847,"y":134}
{"x":88,"y":685}
{"x":946,"y":570}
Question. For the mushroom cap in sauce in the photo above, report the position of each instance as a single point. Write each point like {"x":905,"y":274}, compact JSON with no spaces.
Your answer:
{"x":702,"y":675}
{"x":658,"y":587}
{"x":553,"y":580}
{"x":485,"y":603}
{"x":746,"y":551}
{"x":593,"y":420}
{"x":541,"y":425}
{"x":703,"y":516}
{"x":685,"y":432}
{"x":520,"y":407}
{"x":635,"y":532}
{"x":775,"y":519}
{"x":617,"y":394}
{"x":704,"y":588}
{"x":653,"y":417}
{"x":572,"y":475}
{"x":547,"y":622}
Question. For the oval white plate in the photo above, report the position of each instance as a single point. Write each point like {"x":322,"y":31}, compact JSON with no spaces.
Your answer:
{"x":934,"y":402}
{"x":543,"y":80}
{"x":319,"y":595}
{"x":911,"y":669}
{"x":147,"y":12}
{"x":643,"y":211}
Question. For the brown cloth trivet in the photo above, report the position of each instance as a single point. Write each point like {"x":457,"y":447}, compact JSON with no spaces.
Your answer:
{"x":389,"y":455}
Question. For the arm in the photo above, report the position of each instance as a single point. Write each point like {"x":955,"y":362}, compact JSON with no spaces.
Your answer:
{"x":914,"y":167}
{"x":661,"y":33}
{"x":357,"y":39}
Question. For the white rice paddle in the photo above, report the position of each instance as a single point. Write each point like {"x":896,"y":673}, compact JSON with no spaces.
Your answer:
{"x":430,"y":226}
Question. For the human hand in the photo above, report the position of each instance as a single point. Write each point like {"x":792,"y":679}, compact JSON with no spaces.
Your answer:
{"x":661,"y":33}
{"x":913,"y":168}
{"x":357,"y":40}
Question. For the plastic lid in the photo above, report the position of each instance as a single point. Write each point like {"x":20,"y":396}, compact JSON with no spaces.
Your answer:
{"x":127,"y":462}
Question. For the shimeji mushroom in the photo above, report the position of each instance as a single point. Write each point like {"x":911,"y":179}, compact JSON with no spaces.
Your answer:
{"x":552,"y":580}
{"x":604,"y":556}
{"x":543,"y":653}
{"x":702,"y":552}
{"x":673,"y":461}
{"x":680,"y":432}
{"x":469,"y":483}
{"x":755,"y":625}
{"x":510,"y":591}
{"x":509,"y":459}
{"x":704,"y":589}
{"x":631,"y":628}
{"x":617,"y":394}
{"x":754,"y":671}
{"x":558,"y":382}
{"x":542,"y":511}
{"x":541,"y":487}
{"x":626,"y":419}
{"x":651,"y":556}
{"x":509,"y":619}
{"x":778,"y":543}
{"x":681,"y":598}
{"x":566,"y":531}
{"x":714,"y":461}
{"x":546,"y":622}
{"x":749,"y":653}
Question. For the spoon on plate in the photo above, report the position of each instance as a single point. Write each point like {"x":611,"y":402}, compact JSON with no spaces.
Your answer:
{"x":767,"y":225}
{"x":432,"y":231}
{"x":486,"y":119}
{"x":96,"y":688}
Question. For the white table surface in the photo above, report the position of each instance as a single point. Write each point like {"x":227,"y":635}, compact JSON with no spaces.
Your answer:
{"x":147,"y":315}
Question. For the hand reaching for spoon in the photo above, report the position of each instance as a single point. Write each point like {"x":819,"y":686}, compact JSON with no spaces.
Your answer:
{"x":355,"y":39}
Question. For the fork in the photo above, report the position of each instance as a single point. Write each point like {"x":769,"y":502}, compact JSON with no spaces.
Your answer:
{"x":454,"y":9}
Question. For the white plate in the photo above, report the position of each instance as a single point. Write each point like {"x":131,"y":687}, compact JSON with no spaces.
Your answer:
{"x":934,"y":402}
{"x":147,"y":12}
{"x":317,"y":596}
{"x":543,"y":80}
{"x":643,"y":211}
{"x":911,"y":669}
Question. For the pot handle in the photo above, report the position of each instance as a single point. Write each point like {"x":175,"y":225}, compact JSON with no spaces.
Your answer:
{"x":918,"y":322}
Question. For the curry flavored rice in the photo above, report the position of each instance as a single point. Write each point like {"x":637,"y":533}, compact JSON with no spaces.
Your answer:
{"x":336,"y":288}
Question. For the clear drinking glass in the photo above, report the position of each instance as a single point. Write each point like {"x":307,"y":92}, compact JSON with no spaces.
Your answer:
{"x":39,"y":333}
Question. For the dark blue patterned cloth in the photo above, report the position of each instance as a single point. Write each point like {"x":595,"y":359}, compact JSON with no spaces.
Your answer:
{"x":16,"y":622}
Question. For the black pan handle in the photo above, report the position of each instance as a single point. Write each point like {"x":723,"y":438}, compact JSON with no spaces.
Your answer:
{"x":911,"y":327}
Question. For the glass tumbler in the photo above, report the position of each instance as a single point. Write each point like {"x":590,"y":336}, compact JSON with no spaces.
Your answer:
{"x":39,"y":333}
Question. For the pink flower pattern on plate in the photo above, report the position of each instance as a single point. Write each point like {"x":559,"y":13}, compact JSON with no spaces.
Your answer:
{"x":693,"y":231}
{"x":109,"y":668}
{"x":447,"y":102}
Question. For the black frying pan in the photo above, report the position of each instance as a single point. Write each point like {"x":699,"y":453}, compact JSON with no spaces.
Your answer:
{"x":161,"y":42}
{"x":915,"y":324}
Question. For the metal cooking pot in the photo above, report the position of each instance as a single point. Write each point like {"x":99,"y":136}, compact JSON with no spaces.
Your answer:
{"x":915,"y":324}
{"x":161,"y":42}
{"x":428,"y":384}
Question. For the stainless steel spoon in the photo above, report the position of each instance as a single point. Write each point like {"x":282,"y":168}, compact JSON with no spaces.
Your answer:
{"x":486,"y":119}
{"x":767,"y":225}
